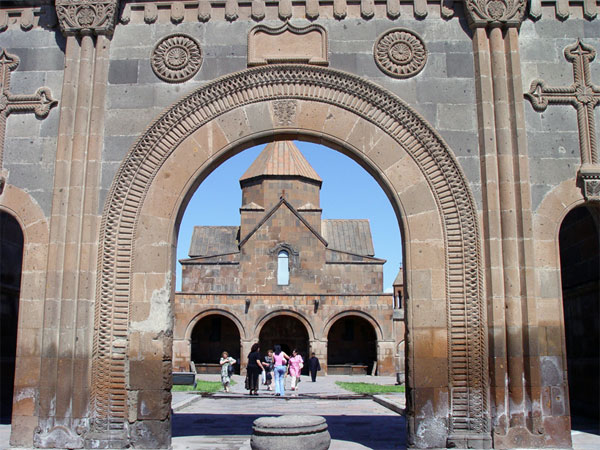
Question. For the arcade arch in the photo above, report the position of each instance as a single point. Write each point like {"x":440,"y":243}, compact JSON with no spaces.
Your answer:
{"x":210,"y":337}
{"x":285,"y":330}
{"x":393,"y":143}
{"x":351,"y":345}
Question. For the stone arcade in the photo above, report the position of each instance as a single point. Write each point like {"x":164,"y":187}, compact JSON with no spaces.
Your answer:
{"x":476,"y":117}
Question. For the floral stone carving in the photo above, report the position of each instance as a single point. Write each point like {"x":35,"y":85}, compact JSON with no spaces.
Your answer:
{"x":176,"y":58}
{"x":487,"y":12}
{"x":400,"y":53}
{"x":77,"y":16}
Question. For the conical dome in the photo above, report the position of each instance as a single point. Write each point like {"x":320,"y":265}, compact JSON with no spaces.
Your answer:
{"x":281,"y":158}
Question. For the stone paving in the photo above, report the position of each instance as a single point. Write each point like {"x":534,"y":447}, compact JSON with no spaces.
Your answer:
{"x":224,"y":421}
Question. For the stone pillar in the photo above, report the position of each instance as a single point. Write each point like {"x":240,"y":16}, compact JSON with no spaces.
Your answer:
{"x":508,"y":244}
{"x":245,"y":350}
{"x":65,"y":404}
{"x":386,"y":351}
{"x":320,"y":350}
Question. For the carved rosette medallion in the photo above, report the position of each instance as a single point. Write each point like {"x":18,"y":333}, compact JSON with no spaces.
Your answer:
{"x":400,"y":53}
{"x":176,"y":58}
{"x":482,"y":13}
{"x":285,"y":111}
{"x":80,"y":16}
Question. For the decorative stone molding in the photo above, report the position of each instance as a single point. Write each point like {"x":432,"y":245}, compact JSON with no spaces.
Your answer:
{"x":483,"y":13}
{"x":590,"y":179}
{"x":583,"y":95}
{"x":400,"y":53}
{"x":287,"y":43}
{"x":87,"y":16}
{"x":466,"y":307}
{"x":176,"y":58}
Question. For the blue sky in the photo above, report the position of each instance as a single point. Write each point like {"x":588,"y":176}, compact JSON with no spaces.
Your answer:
{"x":348,"y":192}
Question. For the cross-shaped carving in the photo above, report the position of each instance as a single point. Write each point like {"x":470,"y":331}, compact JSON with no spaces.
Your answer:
{"x":584,"y":96}
{"x":39,"y":103}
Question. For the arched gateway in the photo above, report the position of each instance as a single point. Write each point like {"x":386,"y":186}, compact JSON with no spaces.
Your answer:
{"x":405,"y":155}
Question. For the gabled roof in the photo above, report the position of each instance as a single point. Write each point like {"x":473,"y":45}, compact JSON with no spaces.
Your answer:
{"x":348,"y":235}
{"x":214,"y":240}
{"x":282,"y":202}
{"x":281,"y":158}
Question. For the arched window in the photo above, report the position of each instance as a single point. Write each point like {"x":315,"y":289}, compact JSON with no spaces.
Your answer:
{"x":283,"y":268}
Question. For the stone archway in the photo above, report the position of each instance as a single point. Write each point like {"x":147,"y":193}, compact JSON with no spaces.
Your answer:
{"x":351,"y":345}
{"x":210,"y":336}
{"x":408,"y":159}
{"x":287,"y":331}
{"x":11,"y":261}
{"x":34,"y":225}
{"x":579,"y":243}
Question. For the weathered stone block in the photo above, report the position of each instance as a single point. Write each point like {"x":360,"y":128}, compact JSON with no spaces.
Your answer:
{"x":123,"y":71}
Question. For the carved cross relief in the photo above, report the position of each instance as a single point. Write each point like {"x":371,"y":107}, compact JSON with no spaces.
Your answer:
{"x":584,"y":96}
{"x":39,"y":103}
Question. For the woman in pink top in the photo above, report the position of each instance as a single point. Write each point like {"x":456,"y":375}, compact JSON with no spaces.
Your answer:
{"x":279,"y":368}
{"x":296,"y":363}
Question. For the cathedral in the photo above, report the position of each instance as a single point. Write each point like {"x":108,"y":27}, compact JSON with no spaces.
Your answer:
{"x":286,"y":276}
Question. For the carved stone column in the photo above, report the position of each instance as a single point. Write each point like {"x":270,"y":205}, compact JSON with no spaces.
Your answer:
{"x":65,"y":393}
{"x":515,"y":353}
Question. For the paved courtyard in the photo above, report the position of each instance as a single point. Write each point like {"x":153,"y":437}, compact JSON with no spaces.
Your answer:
{"x":224,"y":421}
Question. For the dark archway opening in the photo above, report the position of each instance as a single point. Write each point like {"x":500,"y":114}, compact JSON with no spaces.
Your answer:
{"x":351,"y":347}
{"x":288,"y":332}
{"x":579,"y":240}
{"x":211,"y":336}
{"x":11,"y":259}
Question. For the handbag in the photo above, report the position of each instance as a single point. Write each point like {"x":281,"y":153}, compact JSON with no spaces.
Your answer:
{"x":230,"y":370}
{"x":247,"y":382}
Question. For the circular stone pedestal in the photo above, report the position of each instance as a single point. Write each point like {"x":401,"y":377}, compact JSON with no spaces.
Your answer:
{"x":290,"y":433}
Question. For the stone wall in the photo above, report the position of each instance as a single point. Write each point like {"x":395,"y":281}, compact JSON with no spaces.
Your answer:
{"x":552,"y":135}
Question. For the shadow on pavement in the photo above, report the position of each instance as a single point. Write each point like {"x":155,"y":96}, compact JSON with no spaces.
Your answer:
{"x":376,"y":432}
{"x":585,"y":424}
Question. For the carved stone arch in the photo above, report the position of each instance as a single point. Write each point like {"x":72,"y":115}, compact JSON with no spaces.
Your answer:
{"x":285,"y":312}
{"x":218,"y":312}
{"x":356,"y":313}
{"x":397,"y":124}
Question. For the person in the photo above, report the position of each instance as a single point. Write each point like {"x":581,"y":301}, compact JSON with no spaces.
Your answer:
{"x":226,"y":362}
{"x":268,"y":363}
{"x":279,"y":369}
{"x":313,"y":366}
{"x":253,"y":369}
{"x":296,"y":363}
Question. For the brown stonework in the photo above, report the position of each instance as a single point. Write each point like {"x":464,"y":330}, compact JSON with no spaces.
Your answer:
{"x":100,"y":186}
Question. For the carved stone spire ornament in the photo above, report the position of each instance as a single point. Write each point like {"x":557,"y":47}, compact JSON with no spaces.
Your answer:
{"x":584,"y":96}
{"x":482,"y":13}
{"x":87,"y":16}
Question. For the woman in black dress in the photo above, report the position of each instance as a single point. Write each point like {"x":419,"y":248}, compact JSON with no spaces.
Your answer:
{"x":254,"y":368}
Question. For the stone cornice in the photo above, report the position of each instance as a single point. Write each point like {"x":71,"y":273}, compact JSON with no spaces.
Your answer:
{"x":491,"y":13}
{"x":87,"y":16}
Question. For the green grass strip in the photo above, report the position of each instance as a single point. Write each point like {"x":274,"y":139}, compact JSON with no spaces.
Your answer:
{"x":201,"y":386}
{"x":369,"y":388}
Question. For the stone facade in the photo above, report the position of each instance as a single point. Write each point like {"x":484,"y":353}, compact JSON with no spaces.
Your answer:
{"x":100,"y":153}
{"x":329,"y":268}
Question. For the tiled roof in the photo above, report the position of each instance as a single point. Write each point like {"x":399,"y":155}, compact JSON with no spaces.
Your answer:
{"x":348,"y":235}
{"x":281,"y":158}
{"x":210,"y":241}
